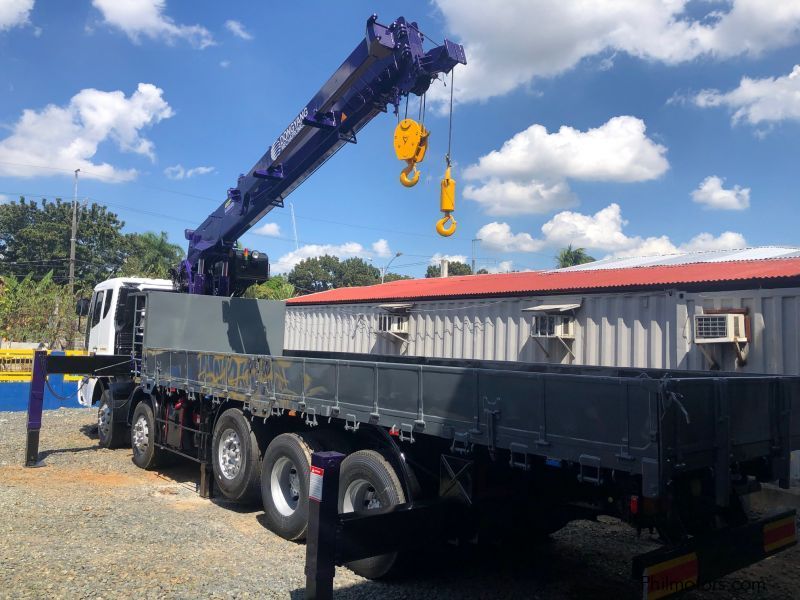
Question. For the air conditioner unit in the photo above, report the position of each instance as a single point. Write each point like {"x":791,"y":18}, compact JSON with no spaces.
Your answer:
{"x":553,"y":326}
{"x":719,"y":328}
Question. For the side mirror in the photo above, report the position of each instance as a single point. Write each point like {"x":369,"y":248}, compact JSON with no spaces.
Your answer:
{"x":82,"y":307}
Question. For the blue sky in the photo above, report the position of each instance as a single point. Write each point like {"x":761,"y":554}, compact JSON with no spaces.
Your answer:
{"x":630,"y":127}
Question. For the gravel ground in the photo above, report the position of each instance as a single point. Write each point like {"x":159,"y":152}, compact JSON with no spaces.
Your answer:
{"x":90,"y":524}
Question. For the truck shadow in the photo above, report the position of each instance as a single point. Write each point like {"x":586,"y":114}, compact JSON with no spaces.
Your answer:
{"x":547,"y":568}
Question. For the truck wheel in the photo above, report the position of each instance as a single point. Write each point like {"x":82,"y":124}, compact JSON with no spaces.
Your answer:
{"x":284,"y":484}
{"x":235,"y":456}
{"x":145,"y":453}
{"x":109,"y":433}
{"x":367,"y":481}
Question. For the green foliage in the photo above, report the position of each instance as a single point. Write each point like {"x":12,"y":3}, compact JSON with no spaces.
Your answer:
{"x":395,"y":277}
{"x":37,"y":311}
{"x":275,"y":288}
{"x":35,"y":239}
{"x":327,"y":272}
{"x":569,"y":257}
{"x":482,"y":272}
{"x":454,"y":269}
{"x":149,"y":255}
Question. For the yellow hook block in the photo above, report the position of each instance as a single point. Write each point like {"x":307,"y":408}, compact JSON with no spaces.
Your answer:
{"x":447,"y":204}
{"x":410,"y":145}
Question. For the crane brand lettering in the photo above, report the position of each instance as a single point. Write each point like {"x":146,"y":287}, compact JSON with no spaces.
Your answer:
{"x":288,"y":135}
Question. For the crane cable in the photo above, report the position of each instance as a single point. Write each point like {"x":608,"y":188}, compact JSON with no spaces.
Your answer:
{"x":447,"y":193}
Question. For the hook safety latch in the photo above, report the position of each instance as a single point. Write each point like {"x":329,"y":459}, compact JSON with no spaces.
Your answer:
{"x":447,"y":204}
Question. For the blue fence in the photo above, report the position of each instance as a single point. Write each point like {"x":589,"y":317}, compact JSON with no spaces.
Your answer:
{"x":14,"y":394}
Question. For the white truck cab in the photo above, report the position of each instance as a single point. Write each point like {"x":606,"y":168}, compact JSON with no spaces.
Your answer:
{"x":103,"y":320}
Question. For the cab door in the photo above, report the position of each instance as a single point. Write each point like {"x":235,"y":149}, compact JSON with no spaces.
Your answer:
{"x":101,"y":323}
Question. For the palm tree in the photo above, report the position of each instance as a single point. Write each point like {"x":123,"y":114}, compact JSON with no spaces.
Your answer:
{"x":569,"y":257}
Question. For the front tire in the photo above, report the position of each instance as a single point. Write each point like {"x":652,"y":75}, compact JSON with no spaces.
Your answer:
{"x":110,"y":434}
{"x":284,"y":484}
{"x":145,"y":453}
{"x":367,"y":481}
{"x":236,"y":457}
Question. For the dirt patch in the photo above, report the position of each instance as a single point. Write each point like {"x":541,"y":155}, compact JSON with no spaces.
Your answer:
{"x":53,"y":477}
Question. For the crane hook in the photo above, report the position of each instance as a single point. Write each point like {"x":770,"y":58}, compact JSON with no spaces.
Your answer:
{"x":447,"y":204}
{"x":404,"y":174}
{"x":442,"y":228}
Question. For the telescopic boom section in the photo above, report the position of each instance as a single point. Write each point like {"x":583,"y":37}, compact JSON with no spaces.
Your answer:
{"x":387,"y":65}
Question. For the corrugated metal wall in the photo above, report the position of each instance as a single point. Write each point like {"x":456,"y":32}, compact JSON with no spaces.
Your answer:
{"x":652,"y":329}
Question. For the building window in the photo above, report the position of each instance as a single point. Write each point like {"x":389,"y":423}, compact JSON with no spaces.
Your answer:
{"x":396,"y":324}
{"x":553,"y":326}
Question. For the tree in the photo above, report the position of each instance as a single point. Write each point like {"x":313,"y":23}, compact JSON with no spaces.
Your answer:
{"x":482,"y":272}
{"x":275,"y":288}
{"x":569,"y":257}
{"x":314,"y":274}
{"x":355,"y":272}
{"x":395,"y":277}
{"x":328,"y":272}
{"x":149,"y":255}
{"x":454,"y":269}
{"x":36,"y":311}
{"x":35,"y":239}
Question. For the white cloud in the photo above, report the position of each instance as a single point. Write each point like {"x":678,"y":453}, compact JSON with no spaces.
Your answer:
{"x":757,"y":101}
{"x":529,"y":173}
{"x":4,"y":198}
{"x":14,"y":13}
{"x":711,"y":193}
{"x":381,"y":248}
{"x":604,"y":231}
{"x":178,"y":172}
{"x":67,"y":137}
{"x":513,"y":198}
{"x":347,"y":250}
{"x":510,"y":43}
{"x":498,"y":237}
{"x":437,"y":258}
{"x":504,"y":266}
{"x":224,"y":64}
{"x":237,"y":29}
{"x":618,"y":150}
{"x":601,"y":231}
{"x":268,"y":229}
{"x":146,"y":18}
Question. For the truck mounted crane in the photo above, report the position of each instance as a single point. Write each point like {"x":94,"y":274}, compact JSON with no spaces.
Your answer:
{"x":446,"y":449}
{"x":388,"y":65}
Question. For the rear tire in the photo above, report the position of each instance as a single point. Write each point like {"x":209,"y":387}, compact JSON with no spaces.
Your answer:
{"x":284,"y":484}
{"x":236,"y":457}
{"x":367,"y":481}
{"x":110,"y":434}
{"x":145,"y":453}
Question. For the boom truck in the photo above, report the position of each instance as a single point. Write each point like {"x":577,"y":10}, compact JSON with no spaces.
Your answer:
{"x":508,"y":449}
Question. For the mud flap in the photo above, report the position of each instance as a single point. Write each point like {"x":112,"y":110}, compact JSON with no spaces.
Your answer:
{"x":669,"y":571}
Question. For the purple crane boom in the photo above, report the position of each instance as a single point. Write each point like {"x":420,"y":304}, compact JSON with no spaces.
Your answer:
{"x":387,"y":65}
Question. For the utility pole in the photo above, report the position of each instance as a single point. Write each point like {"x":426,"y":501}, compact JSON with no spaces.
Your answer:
{"x":73,"y":237}
{"x":473,"y":254}
{"x":294,"y":227}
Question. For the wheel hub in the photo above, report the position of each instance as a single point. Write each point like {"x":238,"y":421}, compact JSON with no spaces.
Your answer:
{"x":230,"y":454}
{"x":104,"y":421}
{"x":359,"y":496}
{"x":285,"y":486}
{"x":141,"y":435}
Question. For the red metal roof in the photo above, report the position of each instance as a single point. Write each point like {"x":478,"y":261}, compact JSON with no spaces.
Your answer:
{"x":510,"y":284}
